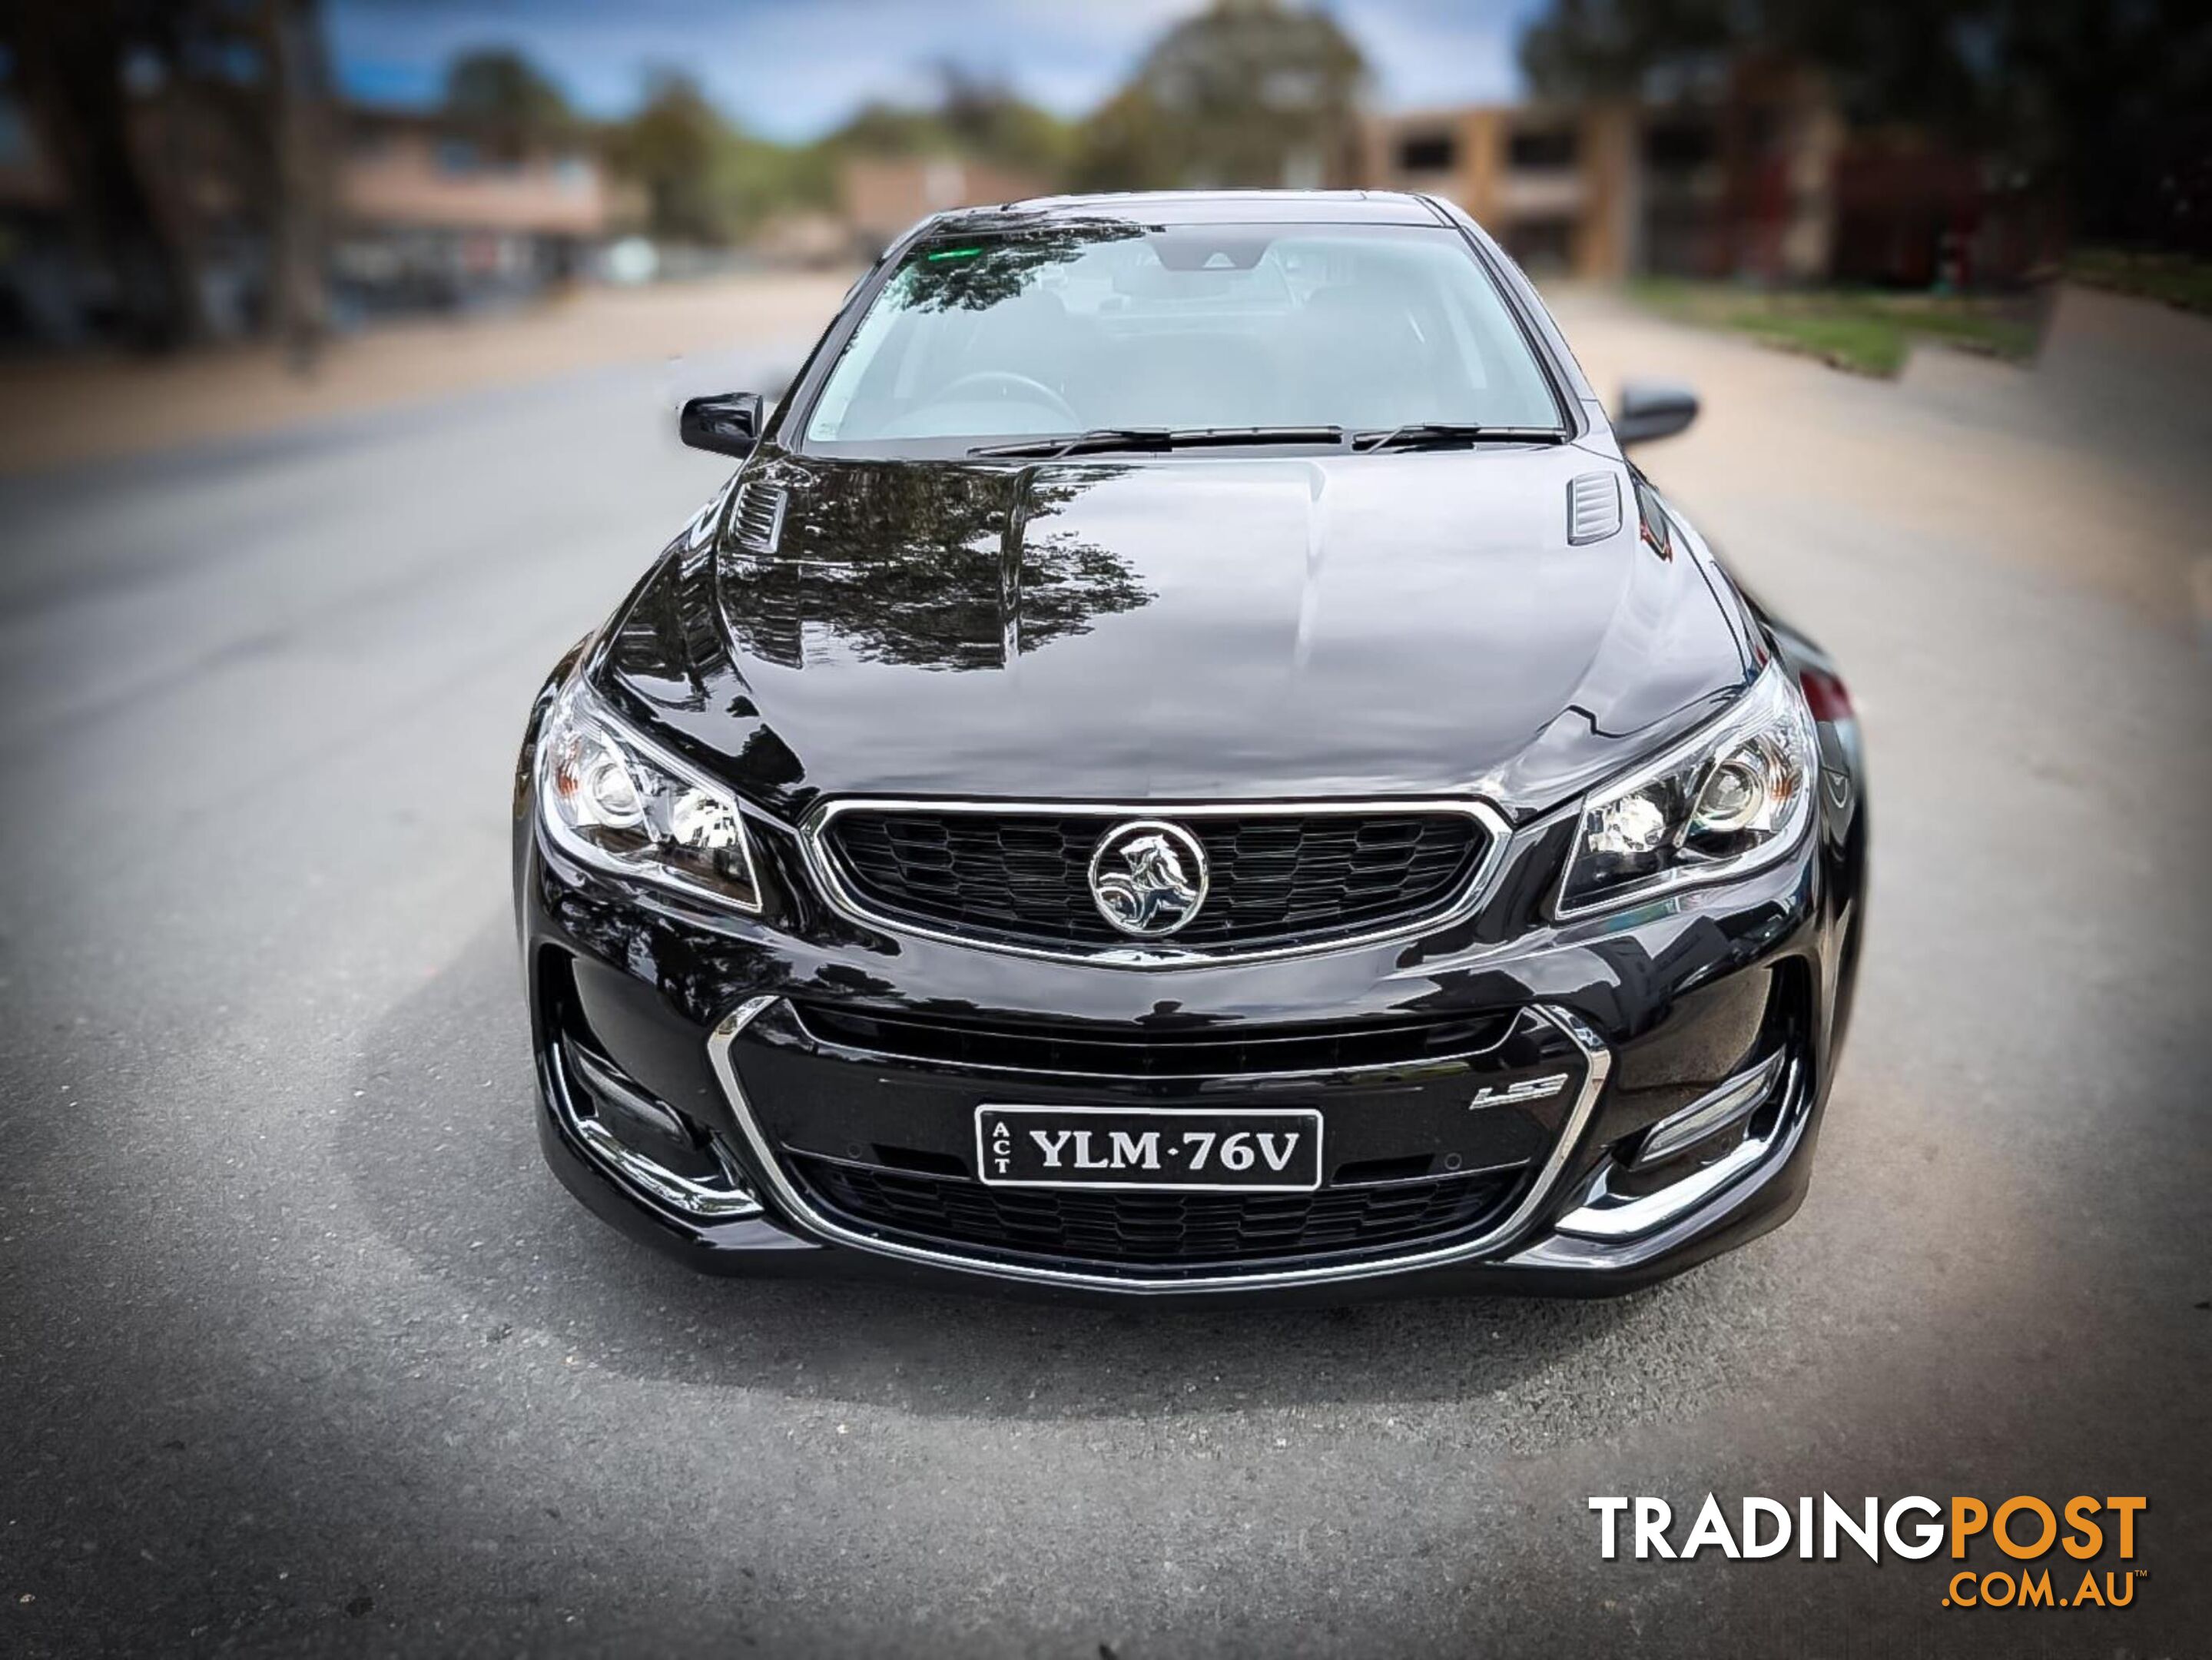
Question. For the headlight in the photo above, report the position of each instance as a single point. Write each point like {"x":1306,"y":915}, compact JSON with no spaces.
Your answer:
{"x":609,"y":799}
{"x":1735,"y":795}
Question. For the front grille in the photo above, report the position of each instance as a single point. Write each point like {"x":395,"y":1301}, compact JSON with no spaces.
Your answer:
{"x":1149,"y":1051}
{"x":1152,"y":1229}
{"x":1285,"y":877}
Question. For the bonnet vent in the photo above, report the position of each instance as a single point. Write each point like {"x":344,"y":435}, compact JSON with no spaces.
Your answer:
{"x":759,"y":518}
{"x":1593,"y":508}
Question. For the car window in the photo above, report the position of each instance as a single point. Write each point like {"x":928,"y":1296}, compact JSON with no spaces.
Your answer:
{"x":1071,"y":326}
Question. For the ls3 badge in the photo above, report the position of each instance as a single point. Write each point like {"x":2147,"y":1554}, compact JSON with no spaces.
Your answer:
{"x":1528,"y":1089}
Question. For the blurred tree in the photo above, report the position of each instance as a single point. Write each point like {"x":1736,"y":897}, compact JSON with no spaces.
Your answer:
{"x":973,"y":115}
{"x":120,"y":90}
{"x":755,"y":179}
{"x":2109,"y":102}
{"x":71,"y":61}
{"x":295,"y":118}
{"x":1249,"y":92}
{"x":985,"y":117}
{"x":706,"y":181}
{"x":1592,"y":49}
{"x":500,"y":85}
{"x":671,"y":148}
{"x":879,"y":128}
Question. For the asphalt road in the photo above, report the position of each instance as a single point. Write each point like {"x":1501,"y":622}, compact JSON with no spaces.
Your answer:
{"x":302,"y":1350}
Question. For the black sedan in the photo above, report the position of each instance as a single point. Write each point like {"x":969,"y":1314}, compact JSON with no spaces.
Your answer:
{"x":1185,"y":760}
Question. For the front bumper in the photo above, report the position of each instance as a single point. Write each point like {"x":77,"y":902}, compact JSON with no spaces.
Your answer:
{"x":798,"y":1098}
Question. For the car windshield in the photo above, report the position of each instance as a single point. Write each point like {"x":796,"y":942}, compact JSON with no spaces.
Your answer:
{"x":1070,"y":327}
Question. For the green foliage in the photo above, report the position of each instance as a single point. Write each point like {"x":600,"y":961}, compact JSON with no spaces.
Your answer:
{"x":670,"y":147}
{"x":1254,"y":92}
{"x":500,"y":85}
{"x":756,"y":179}
{"x":1864,"y":330}
{"x":705,"y":181}
{"x":984,"y":117}
{"x":1609,"y":48}
{"x":1249,"y":92}
{"x":2174,"y":279}
{"x":973,"y":116}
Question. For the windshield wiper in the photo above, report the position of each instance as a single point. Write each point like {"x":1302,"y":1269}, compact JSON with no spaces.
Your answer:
{"x":1078,"y":443}
{"x":1193,"y":437}
{"x":1101,"y":439}
{"x":1439,"y":435}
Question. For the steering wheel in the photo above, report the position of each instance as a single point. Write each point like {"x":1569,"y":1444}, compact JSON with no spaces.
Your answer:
{"x":1005,"y":381}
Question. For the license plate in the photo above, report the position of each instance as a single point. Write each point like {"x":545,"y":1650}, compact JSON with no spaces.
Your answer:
{"x":1193,"y":1150}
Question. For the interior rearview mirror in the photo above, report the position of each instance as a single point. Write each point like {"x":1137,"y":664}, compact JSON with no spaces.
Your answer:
{"x":1652,"y":409}
{"x":728,"y":423}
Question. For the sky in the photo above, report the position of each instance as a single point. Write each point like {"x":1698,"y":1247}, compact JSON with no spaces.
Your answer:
{"x":793,"y":70}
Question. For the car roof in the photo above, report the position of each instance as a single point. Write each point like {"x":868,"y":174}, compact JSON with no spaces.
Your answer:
{"x":1249,"y":206}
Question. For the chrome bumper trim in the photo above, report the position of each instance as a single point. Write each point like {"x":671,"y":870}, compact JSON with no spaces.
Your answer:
{"x":1598,"y":1060}
{"x":688,"y":1196}
{"x":1710,"y":1114}
{"x":1610,"y":1218}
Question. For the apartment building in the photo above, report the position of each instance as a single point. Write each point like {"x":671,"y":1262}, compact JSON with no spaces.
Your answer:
{"x":1732,"y":180}
{"x":427,"y":211}
{"x":435,"y":211}
{"x":881,"y":196}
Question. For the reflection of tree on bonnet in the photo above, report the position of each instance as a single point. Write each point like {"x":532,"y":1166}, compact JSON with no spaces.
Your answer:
{"x":975,"y":277}
{"x":950,"y":567}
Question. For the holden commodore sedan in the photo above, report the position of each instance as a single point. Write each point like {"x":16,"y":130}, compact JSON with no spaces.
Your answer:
{"x":1186,"y":760}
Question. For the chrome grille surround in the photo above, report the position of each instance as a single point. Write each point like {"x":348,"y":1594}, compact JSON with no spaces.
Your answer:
{"x":1505,"y":1231}
{"x":830,"y":877}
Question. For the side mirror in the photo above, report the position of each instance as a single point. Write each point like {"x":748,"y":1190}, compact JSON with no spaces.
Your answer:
{"x":728,"y":424}
{"x":1652,"y":409}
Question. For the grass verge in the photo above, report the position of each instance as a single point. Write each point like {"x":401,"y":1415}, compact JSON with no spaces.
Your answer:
{"x":2176,"y":279}
{"x":1865,"y":331}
